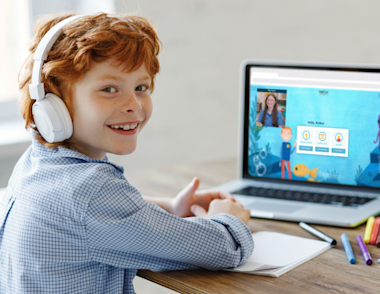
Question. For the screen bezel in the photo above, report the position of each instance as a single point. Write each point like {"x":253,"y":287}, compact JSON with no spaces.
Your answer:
{"x":245,"y":75}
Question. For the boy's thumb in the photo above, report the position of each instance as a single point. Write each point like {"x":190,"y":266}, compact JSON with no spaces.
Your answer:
{"x":198,"y":210}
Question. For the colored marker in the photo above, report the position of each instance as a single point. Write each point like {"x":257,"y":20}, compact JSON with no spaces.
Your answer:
{"x":368,"y":229}
{"x":364,"y":250}
{"x":347,"y":247}
{"x":378,"y":241}
{"x":375,"y":231}
{"x":317,"y":233}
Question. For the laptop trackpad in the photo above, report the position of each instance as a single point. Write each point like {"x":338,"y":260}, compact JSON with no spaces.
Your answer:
{"x":261,"y":206}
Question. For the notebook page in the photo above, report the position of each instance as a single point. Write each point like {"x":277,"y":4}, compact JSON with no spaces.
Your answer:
{"x":274,"y":250}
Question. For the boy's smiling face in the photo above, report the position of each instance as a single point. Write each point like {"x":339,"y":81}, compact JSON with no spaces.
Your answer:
{"x":110,"y":108}
{"x":286,"y":135}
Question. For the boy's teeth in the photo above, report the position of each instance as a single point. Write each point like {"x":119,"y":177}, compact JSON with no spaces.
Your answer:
{"x":125,"y":127}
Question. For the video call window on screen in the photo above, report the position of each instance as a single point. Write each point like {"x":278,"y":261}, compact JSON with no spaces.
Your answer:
{"x":271,"y":108}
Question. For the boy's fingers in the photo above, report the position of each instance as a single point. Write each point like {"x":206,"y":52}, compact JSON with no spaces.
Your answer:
{"x":241,"y":205}
{"x":215,"y":194}
{"x":190,"y":189}
{"x":198,"y":210}
{"x":226,"y":195}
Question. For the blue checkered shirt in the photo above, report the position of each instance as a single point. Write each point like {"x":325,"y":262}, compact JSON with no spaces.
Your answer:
{"x":73,"y":224}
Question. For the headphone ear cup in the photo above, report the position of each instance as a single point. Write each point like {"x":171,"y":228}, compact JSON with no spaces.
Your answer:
{"x":52,"y":118}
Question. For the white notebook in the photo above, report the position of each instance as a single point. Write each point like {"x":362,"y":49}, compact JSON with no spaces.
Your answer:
{"x":276,"y":253}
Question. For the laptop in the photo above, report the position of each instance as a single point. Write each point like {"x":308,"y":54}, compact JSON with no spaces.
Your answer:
{"x":309,"y":137}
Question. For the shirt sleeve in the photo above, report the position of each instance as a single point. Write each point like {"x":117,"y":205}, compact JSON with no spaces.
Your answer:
{"x":123,"y":230}
{"x":280,"y":120}
{"x":293,"y":149}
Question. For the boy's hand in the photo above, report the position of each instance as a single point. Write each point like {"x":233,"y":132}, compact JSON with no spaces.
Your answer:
{"x":223,"y":206}
{"x":189,"y":196}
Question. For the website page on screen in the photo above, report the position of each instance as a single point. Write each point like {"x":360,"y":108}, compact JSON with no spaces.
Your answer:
{"x":319,"y":126}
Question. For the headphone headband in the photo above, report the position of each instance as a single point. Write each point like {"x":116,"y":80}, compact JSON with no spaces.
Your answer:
{"x":36,"y":88}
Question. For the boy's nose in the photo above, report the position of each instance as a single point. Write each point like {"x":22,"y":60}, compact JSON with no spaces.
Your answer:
{"x":131,"y":104}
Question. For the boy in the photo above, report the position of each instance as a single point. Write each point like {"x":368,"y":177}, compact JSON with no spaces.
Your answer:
{"x":286,"y":151}
{"x":69,"y":221}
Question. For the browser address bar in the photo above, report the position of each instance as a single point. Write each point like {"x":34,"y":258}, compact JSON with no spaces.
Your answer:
{"x":275,"y":76}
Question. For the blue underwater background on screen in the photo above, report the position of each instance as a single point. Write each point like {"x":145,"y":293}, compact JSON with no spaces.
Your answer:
{"x":357,"y":111}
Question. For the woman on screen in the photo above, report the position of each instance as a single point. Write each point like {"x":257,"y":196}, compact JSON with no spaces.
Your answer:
{"x":270,"y":116}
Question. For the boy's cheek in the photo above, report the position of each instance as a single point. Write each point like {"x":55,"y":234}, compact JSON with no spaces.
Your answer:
{"x":148,"y":114}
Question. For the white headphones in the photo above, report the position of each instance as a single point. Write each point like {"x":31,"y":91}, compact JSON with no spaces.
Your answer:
{"x":50,"y":113}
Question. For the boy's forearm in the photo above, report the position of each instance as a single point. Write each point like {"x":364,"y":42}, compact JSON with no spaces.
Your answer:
{"x":163,"y":202}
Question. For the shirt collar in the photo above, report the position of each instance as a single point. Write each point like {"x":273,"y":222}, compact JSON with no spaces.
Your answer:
{"x":42,"y":150}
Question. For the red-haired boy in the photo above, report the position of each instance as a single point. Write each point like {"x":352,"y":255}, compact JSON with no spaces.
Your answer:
{"x":69,"y":221}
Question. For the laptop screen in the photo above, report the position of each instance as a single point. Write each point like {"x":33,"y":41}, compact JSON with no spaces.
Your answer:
{"x":312,"y":124}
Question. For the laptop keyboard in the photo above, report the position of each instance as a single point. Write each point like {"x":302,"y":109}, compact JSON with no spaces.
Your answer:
{"x":305,"y":196}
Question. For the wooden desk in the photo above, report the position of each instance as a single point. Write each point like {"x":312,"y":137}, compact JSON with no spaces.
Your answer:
{"x":328,"y":272}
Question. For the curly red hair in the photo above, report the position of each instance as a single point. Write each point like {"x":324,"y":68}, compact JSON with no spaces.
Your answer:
{"x":131,"y":40}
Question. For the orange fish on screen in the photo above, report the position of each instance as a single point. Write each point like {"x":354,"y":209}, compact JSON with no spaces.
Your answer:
{"x":301,"y":170}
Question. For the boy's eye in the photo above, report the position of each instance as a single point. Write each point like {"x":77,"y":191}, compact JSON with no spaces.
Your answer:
{"x":109,"y":89}
{"x":141,"y":88}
